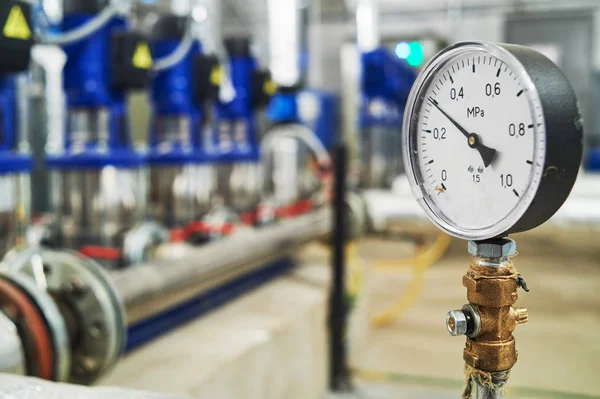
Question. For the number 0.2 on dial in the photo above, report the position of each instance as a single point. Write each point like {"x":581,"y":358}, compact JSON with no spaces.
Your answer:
{"x":476,"y":140}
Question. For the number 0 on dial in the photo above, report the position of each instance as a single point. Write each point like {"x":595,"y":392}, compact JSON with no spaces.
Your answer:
{"x":492,"y":139}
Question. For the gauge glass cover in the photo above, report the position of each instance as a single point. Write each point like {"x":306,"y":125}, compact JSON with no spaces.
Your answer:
{"x":474,"y":140}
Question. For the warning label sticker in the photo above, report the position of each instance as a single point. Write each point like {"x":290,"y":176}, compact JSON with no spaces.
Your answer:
{"x":216,"y":76}
{"x":142,"y":59}
{"x":16,"y":26}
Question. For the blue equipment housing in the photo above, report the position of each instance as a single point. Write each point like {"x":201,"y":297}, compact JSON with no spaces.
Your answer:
{"x":283,"y":108}
{"x":315,"y":109}
{"x":236,"y":119}
{"x":172,"y":94}
{"x":17,"y":51}
{"x":592,"y":160}
{"x":388,"y":80}
{"x":11,"y":162}
{"x":385,"y":85}
{"x":321,"y":116}
{"x":89,"y":83}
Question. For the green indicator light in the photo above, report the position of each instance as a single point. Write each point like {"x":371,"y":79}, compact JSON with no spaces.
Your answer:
{"x":416,"y":57}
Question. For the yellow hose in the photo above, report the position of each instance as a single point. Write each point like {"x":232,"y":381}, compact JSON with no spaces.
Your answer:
{"x":355,"y":276}
{"x":420,"y":263}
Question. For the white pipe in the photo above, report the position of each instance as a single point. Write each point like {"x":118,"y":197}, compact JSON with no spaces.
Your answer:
{"x":580,"y":210}
{"x":367,"y":25}
{"x":285,"y":41}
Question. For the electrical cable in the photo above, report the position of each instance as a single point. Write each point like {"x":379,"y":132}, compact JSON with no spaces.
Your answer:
{"x":87,"y":29}
{"x":183,"y":48}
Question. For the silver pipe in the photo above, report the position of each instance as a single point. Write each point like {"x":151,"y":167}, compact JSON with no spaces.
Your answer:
{"x":22,"y":82}
{"x":97,"y":206}
{"x":150,"y":288}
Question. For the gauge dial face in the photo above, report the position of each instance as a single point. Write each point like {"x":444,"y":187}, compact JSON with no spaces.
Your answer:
{"x":474,"y":141}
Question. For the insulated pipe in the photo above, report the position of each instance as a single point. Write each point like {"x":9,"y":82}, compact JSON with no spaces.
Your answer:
{"x":148,"y":289}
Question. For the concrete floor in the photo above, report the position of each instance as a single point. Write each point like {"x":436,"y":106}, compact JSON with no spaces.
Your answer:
{"x":248,"y":344}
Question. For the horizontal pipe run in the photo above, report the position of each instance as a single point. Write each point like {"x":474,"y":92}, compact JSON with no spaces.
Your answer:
{"x":151,"y":288}
{"x":397,"y":210}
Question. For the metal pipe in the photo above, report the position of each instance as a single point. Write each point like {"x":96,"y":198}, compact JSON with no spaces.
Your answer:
{"x":484,"y":392}
{"x":494,"y":389}
{"x":148,"y":289}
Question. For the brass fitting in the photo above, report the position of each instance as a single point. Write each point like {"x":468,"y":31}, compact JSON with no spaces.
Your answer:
{"x":489,"y":319}
{"x":493,"y":291}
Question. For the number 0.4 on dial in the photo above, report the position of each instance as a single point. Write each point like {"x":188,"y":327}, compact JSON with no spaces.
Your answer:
{"x":477,"y":143}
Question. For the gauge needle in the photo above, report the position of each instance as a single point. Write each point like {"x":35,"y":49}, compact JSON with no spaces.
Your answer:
{"x":487,"y":153}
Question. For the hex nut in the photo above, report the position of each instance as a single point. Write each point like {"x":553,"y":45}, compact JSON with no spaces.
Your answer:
{"x":498,"y":248}
{"x":456,"y":322}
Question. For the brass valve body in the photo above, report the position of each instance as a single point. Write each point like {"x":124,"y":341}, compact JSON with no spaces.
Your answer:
{"x":493,"y":291}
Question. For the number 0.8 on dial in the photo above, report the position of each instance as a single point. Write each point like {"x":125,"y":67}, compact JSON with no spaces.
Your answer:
{"x":492,"y":139}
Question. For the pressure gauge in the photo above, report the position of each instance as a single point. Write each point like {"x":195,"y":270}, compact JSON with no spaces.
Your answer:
{"x":492,"y":139}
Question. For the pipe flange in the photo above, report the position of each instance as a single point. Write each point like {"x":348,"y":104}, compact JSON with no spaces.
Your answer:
{"x":83,"y":290}
{"x":140,"y":243}
{"x":53,"y":318}
{"x":117,"y":305}
{"x":34,"y":331}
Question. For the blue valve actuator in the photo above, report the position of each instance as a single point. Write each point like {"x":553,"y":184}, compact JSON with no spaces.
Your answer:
{"x":236,"y":118}
{"x":88,"y":85}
